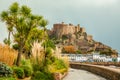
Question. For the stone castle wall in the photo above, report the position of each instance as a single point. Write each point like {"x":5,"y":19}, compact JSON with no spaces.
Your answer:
{"x":89,"y":37}
{"x":60,"y":29}
{"x":64,"y":29}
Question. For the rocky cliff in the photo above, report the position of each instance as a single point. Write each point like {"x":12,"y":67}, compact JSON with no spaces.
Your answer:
{"x":76,"y":36}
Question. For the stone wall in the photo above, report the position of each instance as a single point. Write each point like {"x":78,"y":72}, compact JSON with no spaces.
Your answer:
{"x":105,"y":63}
{"x":89,"y":37}
{"x":64,"y":29}
{"x":82,"y":29}
{"x":108,"y":73}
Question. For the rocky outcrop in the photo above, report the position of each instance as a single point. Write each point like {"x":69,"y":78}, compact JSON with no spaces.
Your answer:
{"x":69,"y":34}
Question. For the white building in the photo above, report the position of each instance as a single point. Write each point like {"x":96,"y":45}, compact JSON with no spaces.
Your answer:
{"x":118,"y":58}
{"x":76,"y":57}
{"x":108,"y":59}
{"x":96,"y":56}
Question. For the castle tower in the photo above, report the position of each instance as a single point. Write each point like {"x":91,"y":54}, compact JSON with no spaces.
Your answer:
{"x":78,"y":26}
{"x":82,"y":29}
{"x":76,"y":29}
{"x":71,"y":28}
{"x":60,"y":29}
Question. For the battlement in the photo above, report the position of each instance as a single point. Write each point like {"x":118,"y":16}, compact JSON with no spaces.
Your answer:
{"x":60,"y":25}
{"x":60,"y":29}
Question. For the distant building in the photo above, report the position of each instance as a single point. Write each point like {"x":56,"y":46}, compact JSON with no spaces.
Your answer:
{"x":118,"y":58}
{"x":96,"y":55}
{"x":82,"y":30}
{"x":65,"y":29}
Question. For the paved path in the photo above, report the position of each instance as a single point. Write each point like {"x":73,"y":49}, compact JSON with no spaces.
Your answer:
{"x":76,"y":74}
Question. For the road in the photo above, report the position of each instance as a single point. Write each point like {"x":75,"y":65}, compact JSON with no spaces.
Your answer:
{"x":76,"y":74}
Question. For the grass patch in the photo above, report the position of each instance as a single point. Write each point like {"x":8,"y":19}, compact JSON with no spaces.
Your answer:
{"x":7,"y":78}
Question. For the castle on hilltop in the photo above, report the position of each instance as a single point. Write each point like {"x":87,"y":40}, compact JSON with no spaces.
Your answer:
{"x":76,"y":37}
{"x":65,"y":29}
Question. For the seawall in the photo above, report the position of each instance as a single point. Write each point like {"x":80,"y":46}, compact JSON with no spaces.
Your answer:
{"x":106,"y":72}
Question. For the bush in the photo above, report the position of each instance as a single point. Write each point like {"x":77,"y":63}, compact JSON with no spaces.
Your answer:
{"x":42,"y":76}
{"x":7,"y":55}
{"x":27,"y":70}
{"x":19,"y":72}
{"x":5,"y":70}
{"x":38,"y":67}
{"x":49,"y":43}
{"x":69,"y":49}
{"x":7,"y":78}
{"x":50,"y":60}
{"x":26,"y":62}
{"x":78,"y":52}
{"x":60,"y":64}
{"x":38,"y":76}
{"x":48,"y":52}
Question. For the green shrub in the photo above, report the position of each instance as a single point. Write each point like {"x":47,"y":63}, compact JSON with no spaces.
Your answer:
{"x":53,"y":58}
{"x":49,"y":76}
{"x":42,"y":76}
{"x":48,"y":52}
{"x":23,"y":62}
{"x":38,"y":67}
{"x":27,"y":70}
{"x":5,"y":70}
{"x":38,"y":76}
{"x":7,"y":78}
{"x":60,"y":64}
{"x":19,"y":72}
{"x":78,"y":52}
{"x":49,"y":43}
{"x":114,"y":59}
{"x":48,"y":61}
{"x":26,"y":62}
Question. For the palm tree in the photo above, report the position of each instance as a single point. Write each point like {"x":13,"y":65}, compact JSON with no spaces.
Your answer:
{"x":22,"y":22}
{"x":43,"y":25}
{"x":4,"y":17}
{"x":9,"y":18}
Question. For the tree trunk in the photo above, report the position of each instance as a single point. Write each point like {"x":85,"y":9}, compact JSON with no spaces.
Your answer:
{"x":44,"y":48}
{"x":18,"y":58}
{"x":8,"y":42}
{"x":19,"y":53}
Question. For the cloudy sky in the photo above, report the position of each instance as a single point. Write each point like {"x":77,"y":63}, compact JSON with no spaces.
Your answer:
{"x":101,"y":18}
